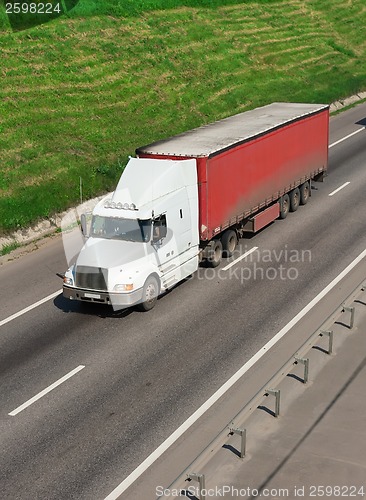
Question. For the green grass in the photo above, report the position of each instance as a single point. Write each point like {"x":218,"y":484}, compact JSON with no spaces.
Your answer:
{"x":349,"y":106}
{"x":7,"y":249}
{"x":80,"y":93}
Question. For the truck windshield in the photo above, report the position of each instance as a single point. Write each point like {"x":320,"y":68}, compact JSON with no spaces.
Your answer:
{"x":115,"y":228}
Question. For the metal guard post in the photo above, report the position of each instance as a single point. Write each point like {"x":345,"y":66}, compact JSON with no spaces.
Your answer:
{"x":243,"y":434}
{"x":276,"y":393}
{"x":305,"y":362}
{"x":201,"y":481}
{"x":352,"y":311}
{"x":330,"y":335}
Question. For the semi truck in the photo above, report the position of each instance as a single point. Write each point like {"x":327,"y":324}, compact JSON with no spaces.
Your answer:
{"x":191,"y":197}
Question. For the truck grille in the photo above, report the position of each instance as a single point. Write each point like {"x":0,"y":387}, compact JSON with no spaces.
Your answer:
{"x":94,"y":278}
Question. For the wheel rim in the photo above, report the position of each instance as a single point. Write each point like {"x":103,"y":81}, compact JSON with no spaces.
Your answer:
{"x":217,"y":253}
{"x":232,"y":244}
{"x":150,"y":293}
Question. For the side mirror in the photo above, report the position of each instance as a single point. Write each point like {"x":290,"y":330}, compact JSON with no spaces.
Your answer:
{"x":83,"y":224}
{"x":159,"y":229}
{"x":159,"y":232}
{"x":163,"y":231}
{"x":156,"y":239}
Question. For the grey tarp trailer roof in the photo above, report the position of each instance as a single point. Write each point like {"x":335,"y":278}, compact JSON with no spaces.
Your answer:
{"x":216,"y":137}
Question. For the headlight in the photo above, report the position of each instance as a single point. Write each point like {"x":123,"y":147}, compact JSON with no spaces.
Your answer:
{"x":127,"y":287}
{"x":68,"y":281}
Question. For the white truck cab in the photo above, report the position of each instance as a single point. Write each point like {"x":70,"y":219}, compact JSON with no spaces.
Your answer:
{"x":143,"y":239}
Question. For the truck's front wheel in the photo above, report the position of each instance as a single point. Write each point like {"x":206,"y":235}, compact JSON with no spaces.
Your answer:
{"x":150,"y":294}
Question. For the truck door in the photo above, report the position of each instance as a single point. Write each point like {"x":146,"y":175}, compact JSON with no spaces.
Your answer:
{"x":164,"y":247}
{"x":175,"y":246}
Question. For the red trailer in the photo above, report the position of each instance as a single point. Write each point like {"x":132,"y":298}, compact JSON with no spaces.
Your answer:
{"x":252,"y":167}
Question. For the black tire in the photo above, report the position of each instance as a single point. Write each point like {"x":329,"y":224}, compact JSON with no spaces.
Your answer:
{"x":229,"y":241}
{"x":304,"y":193}
{"x":284,"y":206}
{"x":150,"y":294}
{"x":294,"y":199}
{"x":215,"y":253}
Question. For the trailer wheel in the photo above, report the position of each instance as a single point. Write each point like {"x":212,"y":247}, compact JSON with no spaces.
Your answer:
{"x":304,"y":193}
{"x":214,"y":253}
{"x":229,"y":241}
{"x":294,"y":199}
{"x":284,"y":206}
{"x":150,"y":294}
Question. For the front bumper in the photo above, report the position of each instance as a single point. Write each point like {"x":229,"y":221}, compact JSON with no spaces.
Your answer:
{"x":125,"y":299}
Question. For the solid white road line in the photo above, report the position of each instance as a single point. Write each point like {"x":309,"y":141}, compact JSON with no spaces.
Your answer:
{"x":338,"y":189}
{"x":239,"y":258}
{"x":347,"y":137}
{"x":224,"y":388}
{"x":29,"y":308}
{"x":45,"y":391}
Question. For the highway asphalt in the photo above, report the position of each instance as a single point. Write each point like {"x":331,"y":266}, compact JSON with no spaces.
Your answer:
{"x":315,"y":448}
{"x":142,"y":375}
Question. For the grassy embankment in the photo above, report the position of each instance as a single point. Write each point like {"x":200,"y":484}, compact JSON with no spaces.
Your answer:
{"x":78,"y":94}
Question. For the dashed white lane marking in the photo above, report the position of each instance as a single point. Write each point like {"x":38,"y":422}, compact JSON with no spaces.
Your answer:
{"x":338,"y":189}
{"x":45,"y":391}
{"x":346,"y":137}
{"x":239,"y":258}
{"x":29,"y":308}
